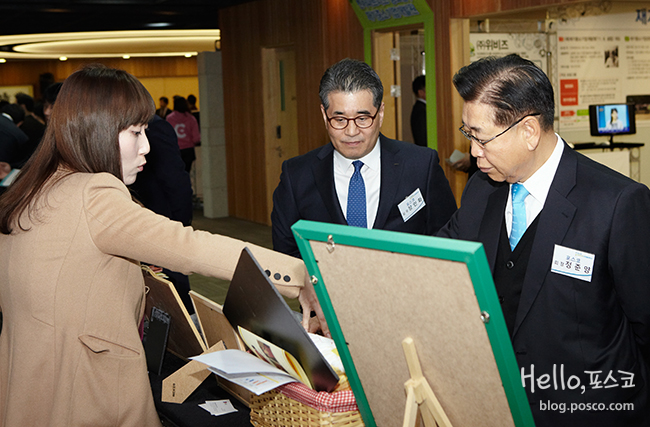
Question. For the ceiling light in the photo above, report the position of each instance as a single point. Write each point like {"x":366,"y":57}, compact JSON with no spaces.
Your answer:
{"x":188,"y":55}
{"x":2,"y":60}
{"x":126,"y":56}
{"x":159,"y":24}
{"x":109,"y":44}
{"x":63,"y":58}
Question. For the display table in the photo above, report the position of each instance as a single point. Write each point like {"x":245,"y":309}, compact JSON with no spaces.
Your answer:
{"x":189,"y":413}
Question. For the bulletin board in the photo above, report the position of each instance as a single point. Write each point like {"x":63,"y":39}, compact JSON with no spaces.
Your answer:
{"x":378,"y":287}
{"x":602,"y":59}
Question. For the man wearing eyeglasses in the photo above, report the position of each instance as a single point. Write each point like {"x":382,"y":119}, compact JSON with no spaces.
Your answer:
{"x":361,"y":178}
{"x":567,"y":240}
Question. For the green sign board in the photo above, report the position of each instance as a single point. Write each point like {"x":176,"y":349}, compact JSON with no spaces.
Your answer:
{"x":382,"y":14}
{"x":387,"y":11}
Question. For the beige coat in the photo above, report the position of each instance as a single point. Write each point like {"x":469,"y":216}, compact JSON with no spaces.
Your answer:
{"x":72,"y":292}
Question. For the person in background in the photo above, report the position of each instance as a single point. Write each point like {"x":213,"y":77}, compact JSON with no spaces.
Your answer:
{"x":361,"y":178}
{"x":191,"y":102}
{"x":164,"y":110}
{"x":187,"y":130}
{"x":419,"y":112}
{"x":12,"y":139}
{"x":31,"y":125}
{"x":466,"y":164}
{"x":567,"y":241}
{"x":49,"y":98}
{"x":71,"y":287}
{"x":165,"y":187}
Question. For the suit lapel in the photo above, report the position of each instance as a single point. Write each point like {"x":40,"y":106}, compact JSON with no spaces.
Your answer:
{"x":554,"y":221}
{"x":492,"y":222}
{"x":391,"y":174}
{"x":323,"y":171}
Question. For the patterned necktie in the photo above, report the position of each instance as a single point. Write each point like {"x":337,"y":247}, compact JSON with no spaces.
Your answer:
{"x":518,"y":229}
{"x":357,"y":198}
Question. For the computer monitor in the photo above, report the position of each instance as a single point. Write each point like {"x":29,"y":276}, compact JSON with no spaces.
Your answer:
{"x":612,"y":119}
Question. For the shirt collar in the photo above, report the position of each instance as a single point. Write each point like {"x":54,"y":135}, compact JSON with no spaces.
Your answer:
{"x":539,"y":184}
{"x":372,"y":159}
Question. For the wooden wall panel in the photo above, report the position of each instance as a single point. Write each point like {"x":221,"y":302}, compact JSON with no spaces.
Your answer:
{"x":321,"y":32}
{"x":27,"y":72}
{"x":446,"y":121}
{"x":459,"y":57}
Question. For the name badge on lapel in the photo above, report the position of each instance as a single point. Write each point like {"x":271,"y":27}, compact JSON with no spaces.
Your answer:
{"x":411,"y":205}
{"x":573,"y":263}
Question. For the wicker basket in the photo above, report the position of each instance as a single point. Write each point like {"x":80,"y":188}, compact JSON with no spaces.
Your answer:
{"x":276,"y":409}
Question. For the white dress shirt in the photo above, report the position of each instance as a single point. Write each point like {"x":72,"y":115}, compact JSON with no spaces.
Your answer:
{"x":538,"y":186}
{"x":371,"y":173}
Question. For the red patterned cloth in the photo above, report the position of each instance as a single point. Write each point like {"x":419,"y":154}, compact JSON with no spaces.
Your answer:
{"x":340,"y":401}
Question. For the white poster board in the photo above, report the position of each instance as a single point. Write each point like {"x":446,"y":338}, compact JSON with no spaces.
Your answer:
{"x":601,"y":59}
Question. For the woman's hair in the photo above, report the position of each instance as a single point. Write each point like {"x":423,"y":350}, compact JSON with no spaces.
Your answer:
{"x":94,"y":105}
{"x":181,"y":105}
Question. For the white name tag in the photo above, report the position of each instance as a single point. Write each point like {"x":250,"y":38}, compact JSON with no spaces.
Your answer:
{"x":573,"y":263}
{"x":411,"y":205}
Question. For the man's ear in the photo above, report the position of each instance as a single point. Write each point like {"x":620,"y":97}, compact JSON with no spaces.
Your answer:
{"x":324,"y":113}
{"x":380,"y":116}
{"x":532,"y":131}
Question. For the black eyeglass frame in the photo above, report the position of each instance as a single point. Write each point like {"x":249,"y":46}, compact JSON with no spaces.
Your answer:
{"x":482,"y":143}
{"x":372,"y":120}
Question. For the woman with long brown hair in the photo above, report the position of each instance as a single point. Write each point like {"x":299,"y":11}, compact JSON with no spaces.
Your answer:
{"x":71,"y":287}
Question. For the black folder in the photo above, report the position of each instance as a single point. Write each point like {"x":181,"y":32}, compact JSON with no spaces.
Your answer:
{"x":253,"y":303}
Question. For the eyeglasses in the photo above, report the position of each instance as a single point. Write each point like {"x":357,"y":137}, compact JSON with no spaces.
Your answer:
{"x":482,"y":143}
{"x":363,"y":121}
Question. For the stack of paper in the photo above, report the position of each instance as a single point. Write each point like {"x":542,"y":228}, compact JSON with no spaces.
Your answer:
{"x":245,"y":370}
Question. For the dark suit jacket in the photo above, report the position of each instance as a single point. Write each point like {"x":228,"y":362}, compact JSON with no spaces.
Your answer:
{"x":164,"y":186}
{"x":12,"y":140}
{"x":307,"y":191}
{"x":419,"y":123}
{"x":602,"y":325}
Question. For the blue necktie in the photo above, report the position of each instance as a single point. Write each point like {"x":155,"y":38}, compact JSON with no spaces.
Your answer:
{"x":518,"y":229}
{"x":357,"y":198}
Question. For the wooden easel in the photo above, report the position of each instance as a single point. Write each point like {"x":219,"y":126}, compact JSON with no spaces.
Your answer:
{"x":419,"y":394}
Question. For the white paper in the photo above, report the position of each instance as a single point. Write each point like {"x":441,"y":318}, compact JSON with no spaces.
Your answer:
{"x":455,"y":156}
{"x":328,"y":349}
{"x":257,"y":383}
{"x":246,"y":370}
{"x":218,"y":407}
{"x":236,"y":362}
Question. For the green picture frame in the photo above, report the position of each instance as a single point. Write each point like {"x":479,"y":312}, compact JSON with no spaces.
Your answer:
{"x":338,"y":253}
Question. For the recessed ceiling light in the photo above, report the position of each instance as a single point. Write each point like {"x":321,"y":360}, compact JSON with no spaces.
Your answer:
{"x":188,"y":55}
{"x":63,"y":58}
{"x":159,"y":24}
{"x":126,"y":56}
